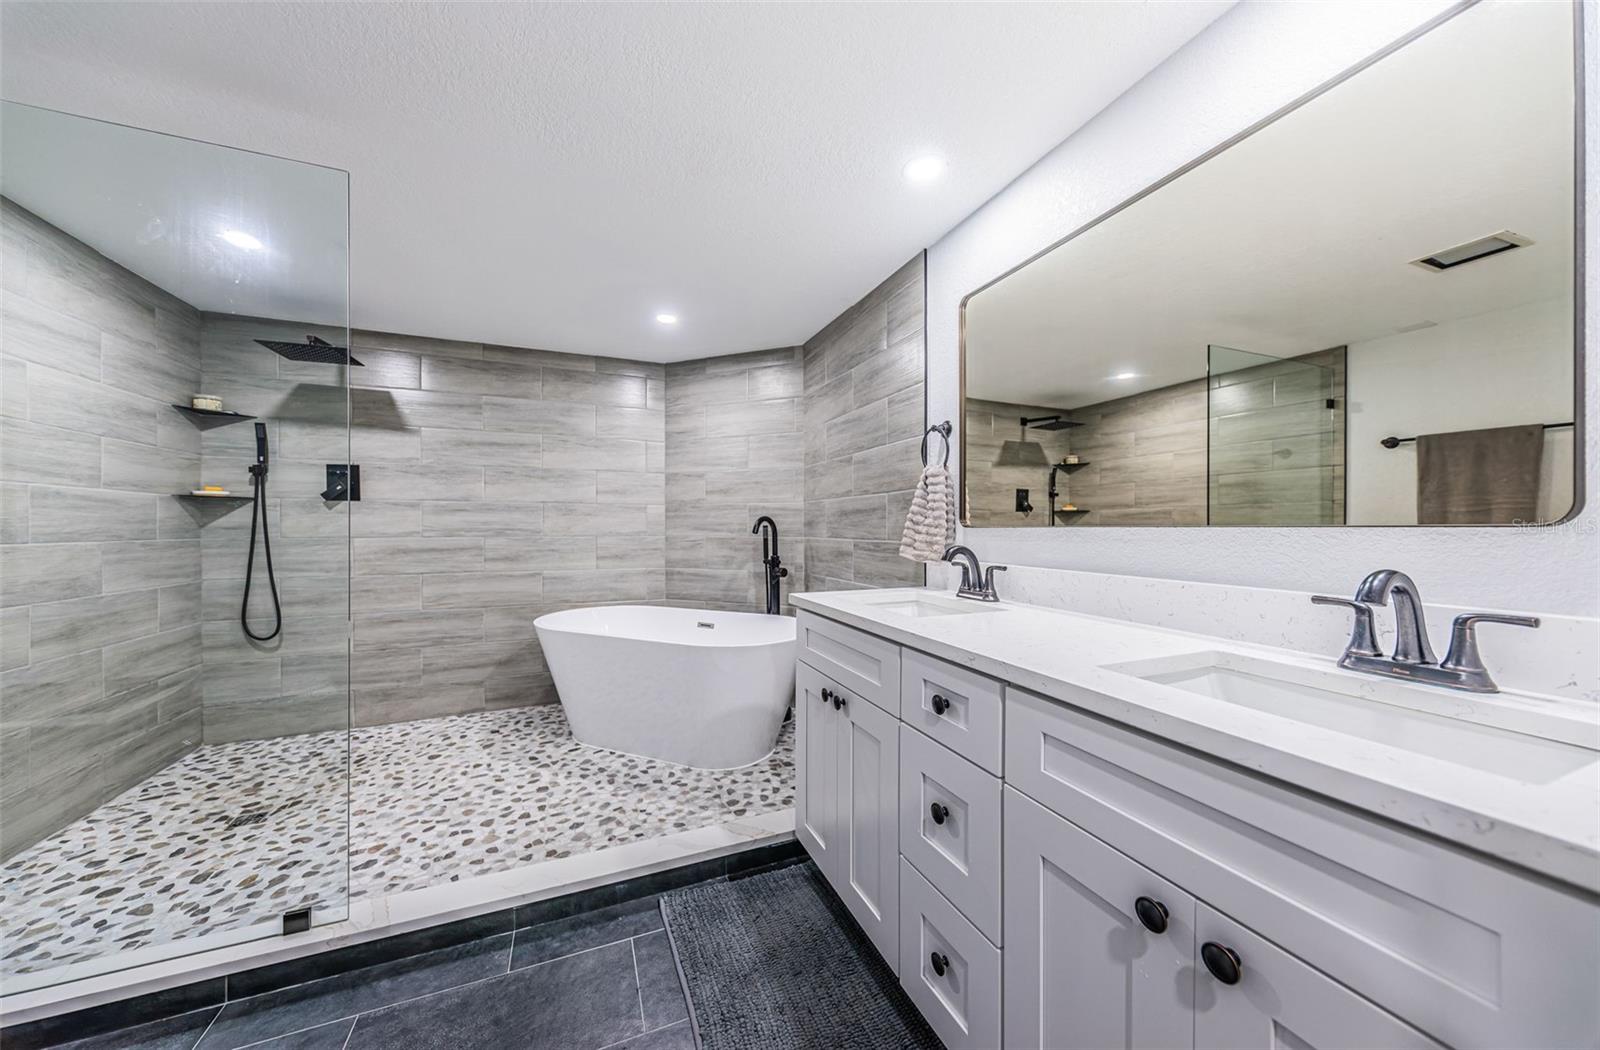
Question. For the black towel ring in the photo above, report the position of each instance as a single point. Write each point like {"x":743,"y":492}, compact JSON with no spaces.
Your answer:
{"x":943,"y":430}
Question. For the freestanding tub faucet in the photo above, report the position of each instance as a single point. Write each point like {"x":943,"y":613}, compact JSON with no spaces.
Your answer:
{"x":769,"y":558}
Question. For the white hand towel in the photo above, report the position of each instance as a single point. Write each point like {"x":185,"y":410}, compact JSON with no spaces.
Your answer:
{"x":931,"y":523}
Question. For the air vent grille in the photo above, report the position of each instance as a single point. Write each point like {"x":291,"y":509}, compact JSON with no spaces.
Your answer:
{"x":1472,"y":251}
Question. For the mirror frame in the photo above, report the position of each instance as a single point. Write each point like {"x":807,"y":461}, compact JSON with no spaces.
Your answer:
{"x":1579,"y":244}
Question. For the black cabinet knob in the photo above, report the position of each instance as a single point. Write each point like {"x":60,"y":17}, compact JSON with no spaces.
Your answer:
{"x":1152,"y":914}
{"x":1222,"y":961}
{"x":940,"y":961}
{"x":940,"y":704}
{"x":940,"y":812}
{"x":827,"y":695}
{"x":838,"y":702}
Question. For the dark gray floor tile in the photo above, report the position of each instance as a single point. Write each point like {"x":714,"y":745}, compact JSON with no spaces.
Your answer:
{"x":581,"y":1002}
{"x":675,"y":1037}
{"x":565,"y":906}
{"x":115,"y":1017}
{"x":617,"y":922}
{"x":660,"y":882}
{"x":323,"y":1037}
{"x":660,"y":991}
{"x":328,"y":964}
{"x":316,"y":1002}
{"x":172,"y":1033}
{"x":763,"y":858}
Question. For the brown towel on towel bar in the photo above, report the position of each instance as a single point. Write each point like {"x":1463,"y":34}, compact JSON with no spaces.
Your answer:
{"x":1479,"y":477}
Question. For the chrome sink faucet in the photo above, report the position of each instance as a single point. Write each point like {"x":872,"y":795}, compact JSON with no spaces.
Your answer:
{"x":1413,"y":659}
{"x":973,"y":574}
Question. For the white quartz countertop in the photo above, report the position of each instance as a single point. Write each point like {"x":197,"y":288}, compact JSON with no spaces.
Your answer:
{"x":1551,"y":827}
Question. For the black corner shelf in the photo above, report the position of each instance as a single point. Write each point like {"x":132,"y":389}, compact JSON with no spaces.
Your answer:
{"x":1075,"y":510}
{"x":214,"y":416}
{"x":1073,"y":466}
{"x":230,"y":498}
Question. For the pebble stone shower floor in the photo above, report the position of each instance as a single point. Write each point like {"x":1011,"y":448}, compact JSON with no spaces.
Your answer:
{"x":233,"y":834}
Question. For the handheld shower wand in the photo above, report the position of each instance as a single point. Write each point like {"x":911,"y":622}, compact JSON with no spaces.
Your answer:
{"x":258,"y":509}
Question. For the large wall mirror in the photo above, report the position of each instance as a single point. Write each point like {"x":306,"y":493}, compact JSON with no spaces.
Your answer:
{"x":1362,"y":313}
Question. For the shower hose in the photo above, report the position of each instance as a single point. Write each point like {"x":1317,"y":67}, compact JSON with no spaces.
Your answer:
{"x":258,"y":510}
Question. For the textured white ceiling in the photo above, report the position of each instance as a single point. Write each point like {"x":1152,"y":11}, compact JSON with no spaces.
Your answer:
{"x":1301,"y":237}
{"x":555,"y":174}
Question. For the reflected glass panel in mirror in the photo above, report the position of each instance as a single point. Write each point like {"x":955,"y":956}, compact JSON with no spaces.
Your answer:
{"x":1359,"y":314}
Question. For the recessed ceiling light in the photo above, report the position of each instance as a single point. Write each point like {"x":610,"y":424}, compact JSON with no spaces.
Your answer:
{"x":240,"y":239}
{"x":1124,"y":375}
{"x":924,"y":169}
{"x":667,"y":319}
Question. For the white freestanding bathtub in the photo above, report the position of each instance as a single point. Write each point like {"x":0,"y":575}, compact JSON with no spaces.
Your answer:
{"x":704,"y":689}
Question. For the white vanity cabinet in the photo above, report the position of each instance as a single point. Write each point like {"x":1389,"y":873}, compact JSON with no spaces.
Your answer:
{"x":1082,"y":971}
{"x":1113,"y":890}
{"x":1276,"y":1001}
{"x":846,"y":798}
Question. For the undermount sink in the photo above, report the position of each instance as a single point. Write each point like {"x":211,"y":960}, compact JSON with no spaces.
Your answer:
{"x":920,"y":607}
{"x":1393,"y":714}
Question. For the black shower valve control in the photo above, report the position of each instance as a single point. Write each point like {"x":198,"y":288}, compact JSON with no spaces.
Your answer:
{"x":344,"y":483}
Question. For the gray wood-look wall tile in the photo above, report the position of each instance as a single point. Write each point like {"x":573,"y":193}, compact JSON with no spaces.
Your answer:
{"x":423,"y":628}
{"x":31,"y":574}
{"x":387,"y":368}
{"x":108,"y":352}
{"x":489,"y":517}
{"x":35,"y":332}
{"x":483,"y":448}
{"x":593,"y":453}
{"x":595,"y":388}
{"x":127,"y":664}
{"x":415,"y":408}
{"x":504,"y":378}
{"x":405,"y":555}
{"x":604,"y":585}
{"x":538,"y":553}
{"x":142,"y":564}
{"x":477,"y":590}
{"x":14,"y":637}
{"x":92,"y":622}
{"x":572,"y":419}
{"x":420,"y":481}
{"x":146,"y":468}
{"x":14,"y":501}
{"x":13,"y":388}
{"x":540,"y":485}
{"x":47,"y":455}
{"x":75,"y":515}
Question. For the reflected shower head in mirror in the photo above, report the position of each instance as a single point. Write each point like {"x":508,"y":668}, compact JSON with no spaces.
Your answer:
{"x":1048,"y":423}
{"x":313,"y":350}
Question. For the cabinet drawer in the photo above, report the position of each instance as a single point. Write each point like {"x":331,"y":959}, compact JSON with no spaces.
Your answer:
{"x":866,"y":665}
{"x":1468,"y":951}
{"x":962,"y":1004}
{"x":950,"y":827}
{"x":1276,"y":1000}
{"x":959,"y":708}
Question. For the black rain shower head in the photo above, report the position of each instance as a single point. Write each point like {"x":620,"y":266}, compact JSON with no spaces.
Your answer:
{"x":314,"y":350}
{"x":1048,"y":423}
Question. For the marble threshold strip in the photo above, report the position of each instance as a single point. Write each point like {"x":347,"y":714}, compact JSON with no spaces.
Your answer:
{"x":86,"y":985}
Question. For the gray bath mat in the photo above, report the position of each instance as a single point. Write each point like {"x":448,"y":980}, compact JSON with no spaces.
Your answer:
{"x":775,"y":961}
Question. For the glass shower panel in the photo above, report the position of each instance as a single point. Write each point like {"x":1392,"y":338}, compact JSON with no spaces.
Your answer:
{"x":1276,"y":438}
{"x":174,"y":547}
